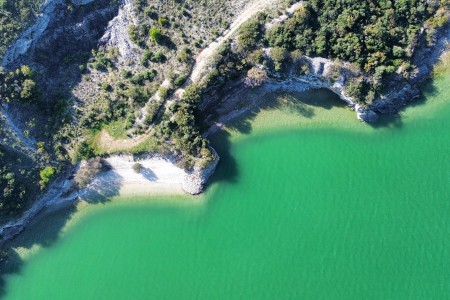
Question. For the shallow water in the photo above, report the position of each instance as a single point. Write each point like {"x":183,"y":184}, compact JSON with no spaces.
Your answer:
{"x":303,"y":206}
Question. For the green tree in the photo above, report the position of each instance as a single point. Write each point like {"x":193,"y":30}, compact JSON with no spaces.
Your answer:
{"x":249,"y":34}
{"x":28,"y":89}
{"x":47,"y":174}
{"x":279,"y":56}
{"x":26,"y":71}
{"x":156,"y":35}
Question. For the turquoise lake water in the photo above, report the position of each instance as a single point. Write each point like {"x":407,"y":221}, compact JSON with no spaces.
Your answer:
{"x":316,"y":207}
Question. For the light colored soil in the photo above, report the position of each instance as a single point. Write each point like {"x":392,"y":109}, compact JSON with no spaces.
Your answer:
{"x":110,"y":144}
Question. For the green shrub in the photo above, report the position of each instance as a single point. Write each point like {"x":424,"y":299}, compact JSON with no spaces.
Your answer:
{"x":192,"y":94}
{"x":249,"y":34}
{"x":185,"y":55}
{"x":279,"y":56}
{"x":47,"y":174}
{"x":152,"y":111}
{"x":180,"y":80}
{"x":133,"y":33}
{"x":164,"y":92}
{"x":137,"y":167}
{"x":26,"y":71}
{"x":125,"y":73}
{"x":106,"y":87}
{"x":146,"y":56}
{"x":158,"y":57}
{"x":156,"y":35}
{"x":29,"y":89}
{"x":163,"y":21}
{"x":83,"y":151}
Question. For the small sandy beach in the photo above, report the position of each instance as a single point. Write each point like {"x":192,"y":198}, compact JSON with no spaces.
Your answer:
{"x":157,"y":177}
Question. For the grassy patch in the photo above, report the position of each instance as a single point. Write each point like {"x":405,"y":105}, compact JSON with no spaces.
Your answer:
{"x":148,"y":145}
{"x":117,"y":129}
{"x":93,"y":140}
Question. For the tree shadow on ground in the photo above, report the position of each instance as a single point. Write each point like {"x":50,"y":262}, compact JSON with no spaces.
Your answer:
{"x":149,"y":174}
{"x":104,"y":187}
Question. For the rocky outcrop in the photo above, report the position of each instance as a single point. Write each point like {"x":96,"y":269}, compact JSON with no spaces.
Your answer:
{"x":195,"y":180}
{"x":116,"y":34}
{"x":321,"y":75}
{"x":365,"y":113}
{"x":60,"y":32}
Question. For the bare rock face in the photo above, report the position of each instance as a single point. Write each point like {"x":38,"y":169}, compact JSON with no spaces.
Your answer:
{"x":60,"y":32}
{"x":116,"y":34}
{"x":393,"y":101}
{"x":365,"y":114}
{"x":61,"y":39}
{"x":195,"y":181}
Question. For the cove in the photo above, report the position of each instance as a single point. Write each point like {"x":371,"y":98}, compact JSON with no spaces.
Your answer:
{"x":313,"y":206}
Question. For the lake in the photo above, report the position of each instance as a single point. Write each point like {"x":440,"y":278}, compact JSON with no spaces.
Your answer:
{"x":307,"y":203}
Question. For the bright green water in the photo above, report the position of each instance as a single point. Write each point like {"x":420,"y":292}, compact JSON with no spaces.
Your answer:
{"x":325,"y":211}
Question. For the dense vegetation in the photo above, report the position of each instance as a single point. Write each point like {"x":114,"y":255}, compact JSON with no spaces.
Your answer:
{"x":19,"y":173}
{"x":379,"y":36}
{"x":181,"y":128}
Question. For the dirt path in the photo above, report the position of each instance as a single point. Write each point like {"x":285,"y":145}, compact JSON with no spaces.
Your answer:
{"x":204,"y":57}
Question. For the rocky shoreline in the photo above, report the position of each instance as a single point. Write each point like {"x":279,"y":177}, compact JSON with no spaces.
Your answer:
{"x":53,"y":197}
{"x":322,"y":75}
{"x":63,"y":193}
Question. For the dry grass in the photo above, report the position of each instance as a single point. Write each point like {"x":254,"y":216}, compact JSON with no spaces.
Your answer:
{"x":444,"y":64}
